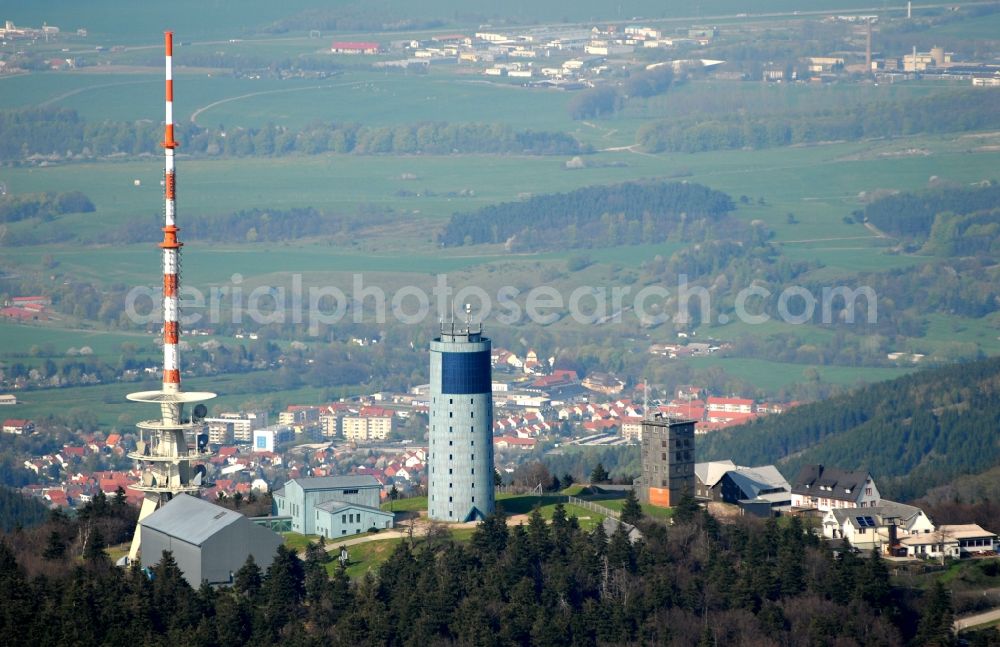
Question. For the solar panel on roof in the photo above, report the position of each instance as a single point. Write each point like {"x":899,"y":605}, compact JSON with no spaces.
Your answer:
{"x":870,"y":521}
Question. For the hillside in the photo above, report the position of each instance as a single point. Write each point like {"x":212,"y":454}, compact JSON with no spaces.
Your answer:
{"x":914,"y":433}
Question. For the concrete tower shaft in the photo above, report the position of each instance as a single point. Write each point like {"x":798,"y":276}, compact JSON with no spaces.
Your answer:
{"x":460,"y":482}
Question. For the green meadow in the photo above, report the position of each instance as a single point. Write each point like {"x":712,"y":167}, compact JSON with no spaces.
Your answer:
{"x":192,"y":19}
{"x":774,"y":376}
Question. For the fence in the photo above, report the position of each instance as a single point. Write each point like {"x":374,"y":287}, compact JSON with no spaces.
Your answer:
{"x":593,"y":507}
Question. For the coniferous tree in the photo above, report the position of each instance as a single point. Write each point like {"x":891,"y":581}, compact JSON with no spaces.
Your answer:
{"x":631,"y":510}
{"x":599,"y":475}
{"x":935,"y":628}
{"x":56,"y":546}
{"x":248,"y":579}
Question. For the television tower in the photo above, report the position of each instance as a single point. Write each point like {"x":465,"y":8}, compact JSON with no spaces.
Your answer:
{"x":460,"y":481}
{"x":167,"y":446}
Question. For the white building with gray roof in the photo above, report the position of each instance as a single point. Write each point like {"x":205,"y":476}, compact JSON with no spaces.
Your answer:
{"x":208,"y":542}
{"x":316,"y":505}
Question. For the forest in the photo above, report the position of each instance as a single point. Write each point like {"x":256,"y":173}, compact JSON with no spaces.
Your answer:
{"x":912,"y":214}
{"x":598,"y":216}
{"x":695,"y":582}
{"x":63,"y":132}
{"x":913,"y":433}
{"x":42,"y":205}
{"x":966,"y":110}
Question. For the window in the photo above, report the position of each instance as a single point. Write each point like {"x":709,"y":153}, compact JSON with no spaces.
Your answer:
{"x":451,"y":414}
{"x":449,"y":456}
{"x":663,"y":456}
{"x":473,"y":499}
{"x":868,"y":491}
{"x":451,"y":401}
{"x":473,"y":471}
{"x":472,"y":457}
{"x":450,"y":485}
{"x":343,"y":518}
{"x":450,"y":443}
{"x":472,"y":443}
{"x":449,"y":470}
{"x":449,"y":499}
{"x":472,"y":414}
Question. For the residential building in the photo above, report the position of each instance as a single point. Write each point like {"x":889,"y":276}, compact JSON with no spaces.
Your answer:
{"x":603,"y":383}
{"x":826,"y":488}
{"x":894,"y":527}
{"x":7,"y":399}
{"x":235,"y":427}
{"x":347,"y":47}
{"x":363,"y":428}
{"x":18,"y":426}
{"x":667,"y":451}
{"x":329,"y":425}
{"x":730,"y":405}
{"x":209,"y":543}
{"x":632,"y":428}
{"x":972,"y":539}
{"x":268,"y":438}
{"x":300,"y":499}
{"x":460,"y":478}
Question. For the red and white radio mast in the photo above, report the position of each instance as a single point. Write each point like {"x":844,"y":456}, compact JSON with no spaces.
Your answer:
{"x":167,"y":447}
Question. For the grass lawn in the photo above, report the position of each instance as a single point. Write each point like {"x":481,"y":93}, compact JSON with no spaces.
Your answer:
{"x":410,"y":504}
{"x":298,"y":542}
{"x":365,"y":557}
{"x":651,"y":511}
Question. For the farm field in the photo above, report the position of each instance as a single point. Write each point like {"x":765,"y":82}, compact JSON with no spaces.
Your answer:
{"x":804,"y":194}
{"x":198,"y":20}
{"x":773,"y":376}
{"x":105,"y":404}
{"x":819,"y":185}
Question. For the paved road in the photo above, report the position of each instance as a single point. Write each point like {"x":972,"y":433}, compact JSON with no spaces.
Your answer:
{"x":978,"y":619}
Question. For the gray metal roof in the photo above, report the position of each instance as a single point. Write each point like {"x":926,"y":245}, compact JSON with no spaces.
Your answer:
{"x":885,"y":510}
{"x":336,"y":506}
{"x":709,"y":473}
{"x":190,"y":519}
{"x":331,"y":482}
{"x":766,"y":476}
{"x":830,"y":482}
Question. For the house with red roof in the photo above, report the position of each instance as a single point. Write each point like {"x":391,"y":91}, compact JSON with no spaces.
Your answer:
{"x":509,"y":442}
{"x":730,"y":405}
{"x":18,"y":426}
{"x":355,"y":47}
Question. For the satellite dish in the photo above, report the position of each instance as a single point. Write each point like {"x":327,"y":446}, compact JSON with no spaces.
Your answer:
{"x":200,"y":412}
